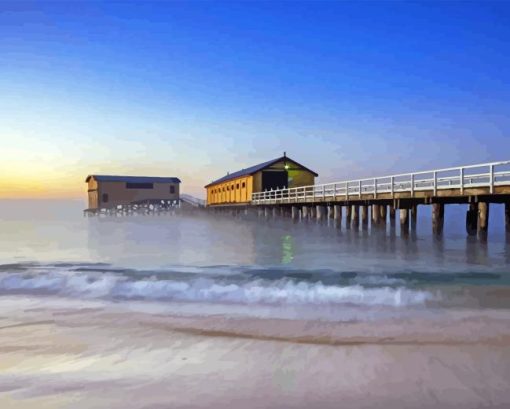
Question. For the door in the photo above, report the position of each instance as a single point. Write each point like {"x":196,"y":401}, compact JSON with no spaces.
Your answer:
{"x":274,"y":179}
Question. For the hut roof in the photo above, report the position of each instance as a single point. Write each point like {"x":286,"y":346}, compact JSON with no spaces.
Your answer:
{"x":254,"y":169}
{"x":133,"y":179}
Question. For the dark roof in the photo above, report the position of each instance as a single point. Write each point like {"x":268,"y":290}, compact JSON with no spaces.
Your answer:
{"x":133,"y":179}
{"x":254,"y":169}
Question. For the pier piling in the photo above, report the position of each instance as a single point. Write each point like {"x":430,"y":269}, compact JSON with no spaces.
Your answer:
{"x":355,"y":216}
{"x":392,"y":214}
{"x":414,"y":216}
{"x":437,"y":218}
{"x":348,"y":217}
{"x":320,"y":212}
{"x":364,"y":217}
{"x":304,"y":212}
{"x":382,"y":214}
{"x":376,"y":215}
{"x":337,"y":210}
{"x":404,"y":221}
{"x":472,"y":219}
{"x":507,"y":217}
{"x":483,"y":220}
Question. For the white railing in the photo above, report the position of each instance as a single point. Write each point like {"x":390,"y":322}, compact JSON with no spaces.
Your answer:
{"x":192,"y":200}
{"x":487,"y":175}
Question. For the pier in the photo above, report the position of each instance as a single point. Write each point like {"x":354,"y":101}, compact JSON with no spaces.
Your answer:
{"x":149,"y":207}
{"x":363,"y":203}
{"x":476,"y":185}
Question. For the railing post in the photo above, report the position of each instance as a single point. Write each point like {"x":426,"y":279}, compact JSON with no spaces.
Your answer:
{"x":346,"y":190}
{"x":323,"y":191}
{"x":491,"y":173}
{"x":334,"y":192}
{"x":392,"y":183}
{"x":359,"y":189}
{"x":435,"y":183}
{"x":375,"y":188}
{"x":461,"y":181}
{"x":412,"y":184}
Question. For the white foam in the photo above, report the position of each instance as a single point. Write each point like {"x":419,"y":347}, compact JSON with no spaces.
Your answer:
{"x":284,"y":291}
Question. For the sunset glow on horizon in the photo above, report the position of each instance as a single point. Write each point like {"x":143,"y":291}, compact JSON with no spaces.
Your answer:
{"x":196,"y":90}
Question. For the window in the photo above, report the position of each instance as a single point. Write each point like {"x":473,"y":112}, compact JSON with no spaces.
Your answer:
{"x":172,"y":189}
{"x":105,"y":197}
{"x":134,"y":185}
{"x":237,"y":186}
{"x":244,"y":184}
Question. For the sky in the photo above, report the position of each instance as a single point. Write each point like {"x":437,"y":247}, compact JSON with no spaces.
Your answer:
{"x":196,"y":89}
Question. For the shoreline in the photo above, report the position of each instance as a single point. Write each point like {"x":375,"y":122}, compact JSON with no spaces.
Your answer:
{"x":96,"y":354}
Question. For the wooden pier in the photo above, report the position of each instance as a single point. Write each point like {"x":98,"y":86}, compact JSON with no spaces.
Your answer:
{"x":150,"y":207}
{"x":477,"y":185}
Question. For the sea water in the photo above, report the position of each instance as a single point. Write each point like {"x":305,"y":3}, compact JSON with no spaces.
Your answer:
{"x":271,"y":267}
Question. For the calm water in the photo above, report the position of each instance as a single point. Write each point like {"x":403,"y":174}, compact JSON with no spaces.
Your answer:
{"x":263,"y":267}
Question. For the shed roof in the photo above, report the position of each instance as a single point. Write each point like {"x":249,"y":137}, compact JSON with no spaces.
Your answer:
{"x":254,"y":169}
{"x":133,"y":179}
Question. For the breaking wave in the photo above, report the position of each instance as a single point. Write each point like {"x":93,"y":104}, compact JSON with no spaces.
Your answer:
{"x":99,"y":282}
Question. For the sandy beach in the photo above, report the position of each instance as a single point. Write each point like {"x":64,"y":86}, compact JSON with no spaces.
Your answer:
{"x":62,"y":353}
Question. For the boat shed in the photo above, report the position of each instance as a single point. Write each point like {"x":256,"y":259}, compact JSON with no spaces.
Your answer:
{"x":107,"y":191}
{"x":238,"y":187}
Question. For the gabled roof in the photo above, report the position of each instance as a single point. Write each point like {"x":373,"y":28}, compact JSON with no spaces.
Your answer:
{"x":254,"y":169}
{"x":133,"y":179}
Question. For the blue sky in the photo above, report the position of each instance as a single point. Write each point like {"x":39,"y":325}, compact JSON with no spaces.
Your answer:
{"x":196,"y":89}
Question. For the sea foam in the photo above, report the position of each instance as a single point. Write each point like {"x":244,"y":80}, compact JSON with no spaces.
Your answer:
{"x":109,"y":285}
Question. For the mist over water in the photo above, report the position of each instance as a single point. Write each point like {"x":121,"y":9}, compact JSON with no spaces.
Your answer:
{"x":49,"y":248}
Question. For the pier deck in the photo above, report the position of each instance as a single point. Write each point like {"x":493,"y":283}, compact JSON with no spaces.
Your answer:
{"x":477,"y":185}
{"x":458,"y":184}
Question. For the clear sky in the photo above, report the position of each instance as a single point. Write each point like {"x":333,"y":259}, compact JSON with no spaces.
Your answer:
{"x":196,"y":89}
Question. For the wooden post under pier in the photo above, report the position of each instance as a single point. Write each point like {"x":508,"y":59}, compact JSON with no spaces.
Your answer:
{"x":392,"y":219}
{"x":472,"y":219}
{"x":320,"y":212}
{"x":382,"y":214}
{"x":304,"y":212}
{"x":483,"y":220}
{"x":355,"y":216}
{"x":437,"y":218}
{"x":404,"y":221}
{"x":348,"y":217}
{"x":414,"y":216}
{"x":392,"y":214}
{"x":337,"y":210}
{"x":364,"y":217}
{"x":376,"y":214}
{"x":507,"y":217}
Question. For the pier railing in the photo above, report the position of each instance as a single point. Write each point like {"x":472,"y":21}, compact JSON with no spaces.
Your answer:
{"x":487,"y":175}
{"x":192,"y":200}
{"x":144,"y":207}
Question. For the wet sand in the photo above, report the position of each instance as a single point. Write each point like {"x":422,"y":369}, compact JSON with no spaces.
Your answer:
{"x":59,"y":353}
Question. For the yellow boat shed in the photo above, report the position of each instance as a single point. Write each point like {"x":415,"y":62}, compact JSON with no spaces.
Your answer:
{"x":237,"y":187}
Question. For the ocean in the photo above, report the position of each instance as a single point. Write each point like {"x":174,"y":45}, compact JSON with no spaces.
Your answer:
{"x":308,"y":294}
